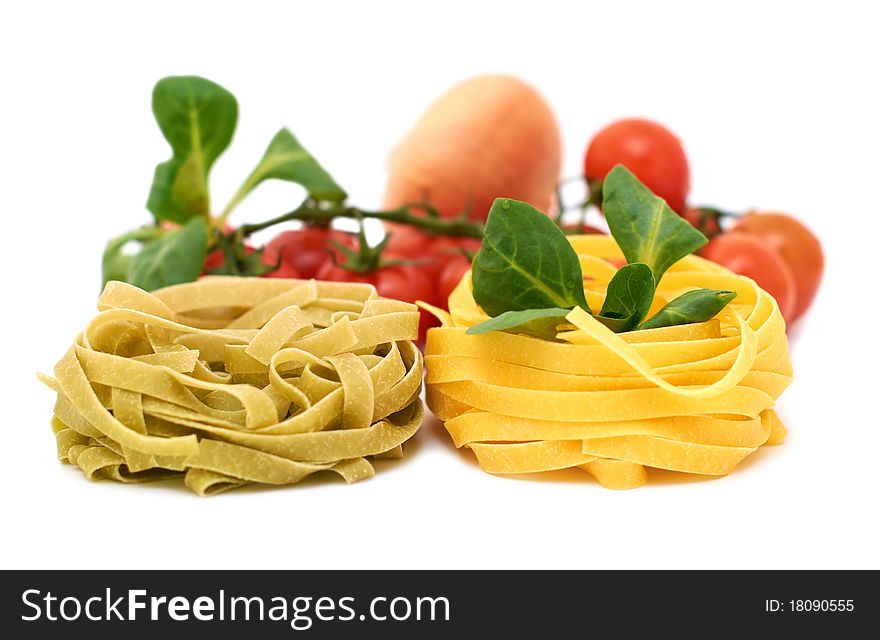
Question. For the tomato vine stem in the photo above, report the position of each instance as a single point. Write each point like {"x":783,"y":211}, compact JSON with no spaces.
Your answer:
{"x":315,"y":211}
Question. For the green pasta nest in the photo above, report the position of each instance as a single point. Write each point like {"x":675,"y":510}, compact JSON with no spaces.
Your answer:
{"x":232,"y":381}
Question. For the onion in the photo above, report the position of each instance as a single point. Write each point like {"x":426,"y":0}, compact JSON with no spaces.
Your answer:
{"x":490,"y":136}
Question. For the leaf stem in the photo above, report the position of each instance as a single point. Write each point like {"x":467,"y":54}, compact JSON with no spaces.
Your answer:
{"x":594,"y":191}
{"x":141,"y":234}
{"x":323,"y":212}
{"x":715,"y":212}
{"x":227,"y":211}
{"x":560,"y":204}
{"x":593,"y":195}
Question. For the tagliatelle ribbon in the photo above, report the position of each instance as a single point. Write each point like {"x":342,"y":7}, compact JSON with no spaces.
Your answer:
{"x":230,"y":381}
{"x":694,"y":398}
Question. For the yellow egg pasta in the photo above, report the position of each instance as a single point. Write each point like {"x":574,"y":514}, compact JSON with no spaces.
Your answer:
{"x":694,"y":398}
{"x":232,"y":381}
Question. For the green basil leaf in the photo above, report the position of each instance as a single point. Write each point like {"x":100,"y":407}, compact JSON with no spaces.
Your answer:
{"x":115,"y":263}
{"x":698,"y":305}
{"x":286,"y":159}
{"x":175,"y":258}
{"x":644,"y":226}
{"x":628,"y":297}
{"x":540,"y":323}
{"x":198,"y":118}
{"x":525,"y":262}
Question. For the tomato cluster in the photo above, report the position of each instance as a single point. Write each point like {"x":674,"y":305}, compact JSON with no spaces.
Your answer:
{"x":774,"y":249}
{"x":444,"y":258}
{"x":414,"y":266}
{"x":777,"y":252}
{"x":301,"y":253}
{"x":399,"y":280}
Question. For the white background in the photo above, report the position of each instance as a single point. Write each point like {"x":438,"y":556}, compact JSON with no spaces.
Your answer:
{"x":777,"y":105}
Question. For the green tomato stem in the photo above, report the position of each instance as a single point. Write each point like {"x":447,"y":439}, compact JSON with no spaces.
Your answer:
{"x":141,"y":234}
{"x":321,"y":212}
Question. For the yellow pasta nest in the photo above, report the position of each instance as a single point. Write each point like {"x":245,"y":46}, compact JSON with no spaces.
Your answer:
{"x":229,"y":381}
{"x":694,"y":398}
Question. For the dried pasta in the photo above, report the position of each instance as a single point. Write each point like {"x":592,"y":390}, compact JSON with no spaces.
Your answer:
{"x":694,"y":398}
{"x":231,"y":381}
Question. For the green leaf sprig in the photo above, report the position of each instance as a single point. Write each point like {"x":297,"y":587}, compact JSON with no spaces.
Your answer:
{"x":198,"y":119}
{"x":528,"y":277}
{"x":174,"y":258}
{"x":287,"y":159}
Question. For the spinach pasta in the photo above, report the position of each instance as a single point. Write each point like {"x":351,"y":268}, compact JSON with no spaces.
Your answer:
{"x":230,"y":381}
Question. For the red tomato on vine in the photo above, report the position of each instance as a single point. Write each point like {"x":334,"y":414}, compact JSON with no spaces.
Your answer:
{"x":750,"y":256}
{"x":652,"y":152}
{"x":406,"y":282}
{"x":798,"y":247}
{"x":306,"y":250}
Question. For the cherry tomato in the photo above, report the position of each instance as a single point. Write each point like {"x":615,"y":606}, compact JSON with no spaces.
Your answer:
{"x":703,"y":220}
{"x":408,"y":283}
{"x":649,"y":150}
{"x":306,"y":250}
{"x":336,"y":273}
{"x":455,"y":245}
{"x":407,"y":240}
{"x":283,"y":271}
{"x":796,"y":245}
{"x":449,"y":277}
{"x":432,"y":252}
{"x":216,"y":259}
{"x":750,"y":256}
{"x":445,"y":249}
{"x":403,"y":283}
